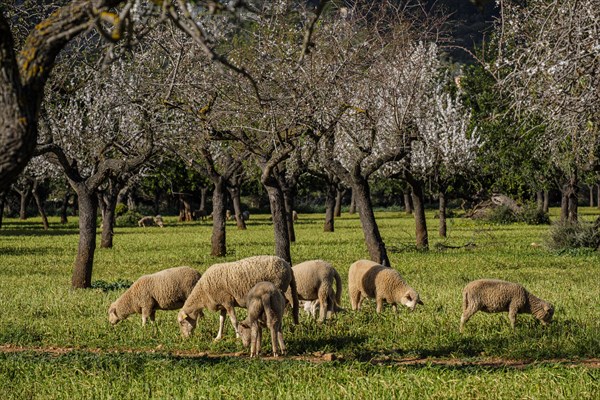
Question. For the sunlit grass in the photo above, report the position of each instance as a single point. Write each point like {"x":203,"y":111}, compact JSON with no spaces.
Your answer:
{"x":39,"y":309}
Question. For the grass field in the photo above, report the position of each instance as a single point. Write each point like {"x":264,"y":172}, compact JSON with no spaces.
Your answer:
{"x":56,"y":342}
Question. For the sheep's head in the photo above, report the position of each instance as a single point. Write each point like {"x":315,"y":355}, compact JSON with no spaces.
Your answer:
{"x":187,"y":323}
{"x":410,"y":299}
{"x":113,"y":318}
{"x":547,"y":313}
{"x":245,"y":333}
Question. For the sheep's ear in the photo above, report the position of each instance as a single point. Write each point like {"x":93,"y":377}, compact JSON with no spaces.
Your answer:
{"x":546,"y":307}
{"x":420,"y":302}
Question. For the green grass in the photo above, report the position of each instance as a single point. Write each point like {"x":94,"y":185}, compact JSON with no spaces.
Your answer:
{"x":38,"y":309}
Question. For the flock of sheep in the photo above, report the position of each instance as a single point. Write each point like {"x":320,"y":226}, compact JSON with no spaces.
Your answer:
{"x":264,"y":285}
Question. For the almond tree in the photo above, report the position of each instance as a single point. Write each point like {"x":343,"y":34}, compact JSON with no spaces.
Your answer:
{"x":547,"y":60}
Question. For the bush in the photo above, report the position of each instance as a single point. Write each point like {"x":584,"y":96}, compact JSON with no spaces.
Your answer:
{"x":532,"y":215}
{"x":130,"y":218}
{"x":501,"y":215}
{"x":574,"y":235}
{"x":120,"y":209}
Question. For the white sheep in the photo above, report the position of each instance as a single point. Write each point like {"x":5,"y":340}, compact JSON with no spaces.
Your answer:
{"x":151,"y":221}
{"x":370,"y":279}
{"x":493,"y":295}
{"x":225,"y":286}
{"x":159,"y":221}
{"x":294,"y":215}
{"x":314,"y":281}
{"x":164,"y":290}
{"x":265,"y":305}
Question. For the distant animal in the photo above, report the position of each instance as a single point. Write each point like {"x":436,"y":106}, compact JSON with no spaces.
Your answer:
{"x":265,"y":305}
{"x":199,"y":215}
{"x":294,"y":216}
{"x":151,"y":221}
{"x":494,"y":295}
{"x":164,"y":290}
{"x":368,"y":279}
{"x":246,"y":215}
{"x":228,"y":215}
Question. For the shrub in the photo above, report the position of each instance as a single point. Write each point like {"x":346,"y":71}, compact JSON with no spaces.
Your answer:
{"x":532,"y":215}
{"x":120,"y":209}
{"x":574,"y":235}
{"x":108,"y":286}
{"x":501,"y":215}
{"x":130,"y":218}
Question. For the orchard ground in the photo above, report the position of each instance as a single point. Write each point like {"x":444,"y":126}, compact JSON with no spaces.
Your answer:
{"x":56,"y":342}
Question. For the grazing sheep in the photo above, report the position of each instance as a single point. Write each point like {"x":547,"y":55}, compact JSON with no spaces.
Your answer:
{"x":314,"y":281}
{"x":294,"y":215}
{"x":199,"y":215}
{"x":310,"y":307}
{"x":265,"y":307}
{"x":151,"y":221}
{"x":228,"y":215}
{"x":225,"y":286}
{"x":164,"y":290}
{"x":246,"y":215}
{"x":369,"y":279}
{"x":493,"y":295}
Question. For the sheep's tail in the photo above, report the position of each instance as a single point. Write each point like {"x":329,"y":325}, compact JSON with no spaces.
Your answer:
{"x":338,"y":288}
{"x":295,"y":302}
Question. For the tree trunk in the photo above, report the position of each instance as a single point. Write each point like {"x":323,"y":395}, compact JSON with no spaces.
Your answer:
{"x":156,"y":201}
{"x":591,"y":187}
{"x":546,"y":207}
{"x":288,"y":201}
{"x":442,"y":212}
{"x":422,"y":240}
{"x":280,"y":226}
{"x":219,"y":239}
{"x":40,"y":204}
{"x":352,"y":208}
{"x":330,"y":208}
{"x":88,"y":210}
{"x":25,"y":198}
{"x":185,"y":208}
{"x":203,"y":192}
{"x":2,"y":200}
{"x":408,"y":208}
{"x":573,"y":193}
{"x":375,"y":244}
{"x":564,"y":205}
{"x":598,"y":195}
{"x":234,"y":193}
{"x":338,"y":203}
{"x":109,"y":216}
{"x":64,"y":207}
{"x":539,"y":195}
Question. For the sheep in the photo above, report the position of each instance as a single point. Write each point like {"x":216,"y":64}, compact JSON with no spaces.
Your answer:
{"x":225,"y":286}
{"x":310,"y":307}
{"x":228,"y":215}
{"x":294,"y":215}
{"x":370,"y":279}
{"x":265,"y":307}
{"x":199,"y":215}
{"x":164,"y":290}
{"x":314,"y":281}
{"x":494,"y":295}
{"x":246,"y":215}
{"x":150,"y":221}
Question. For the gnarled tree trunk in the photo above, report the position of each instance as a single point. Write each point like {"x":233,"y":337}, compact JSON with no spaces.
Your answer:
{"x":288,"y":201}
{"x":234,"y":193}
{"x":418,"y":201}
{"x":35,"y":191}
{"x":218,"y":238}
{"x":64,"y":207}
{"x":442,"y":213}
{"x":280,"y":225}
{"x":375,"y":244}
{"x":408,"y":207}
{"x":338,"y":202}
{"x":330,"y":194}
{"x":109,"y":198}
{"x":84,"y":261}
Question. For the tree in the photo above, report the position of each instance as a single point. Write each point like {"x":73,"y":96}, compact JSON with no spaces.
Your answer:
{"x":548,"y":62}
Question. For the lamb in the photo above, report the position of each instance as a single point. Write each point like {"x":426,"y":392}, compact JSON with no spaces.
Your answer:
{"x":164,"y":290}
{"x":314,"y":281}
{"x":265,"y":307}
{"x":225,"y":286}
{"x":493,"y":295}
{"x":370,"y":279}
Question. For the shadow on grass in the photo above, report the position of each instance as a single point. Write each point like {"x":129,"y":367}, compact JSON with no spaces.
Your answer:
{"x":38,"y":232}
{"x":25,"y":251}
{"x":337,"y":344}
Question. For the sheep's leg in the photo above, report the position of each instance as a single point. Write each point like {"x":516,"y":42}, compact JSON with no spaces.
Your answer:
{"x":324,"y":302}
{"x":354,"y":298}
{"x":331,"y":303}
{"x":395,"y":307}
{"x":379,"y":304}
{"x":467,"y":313}
{"x":254,"y":340}
{"x":231,"y":312}
{"x":512,"y":315}
{"x":280,"y":337}
{"x":273,"y":331}
{"x":221,"y":325}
